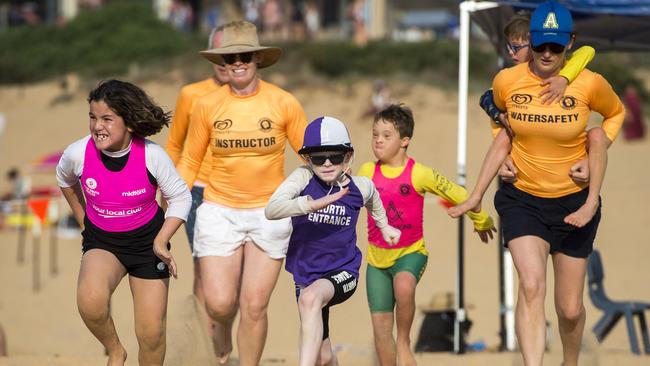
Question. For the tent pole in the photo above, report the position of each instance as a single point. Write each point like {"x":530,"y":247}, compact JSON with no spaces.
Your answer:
{"x":463,"y":72}
{"x":465,"y":7}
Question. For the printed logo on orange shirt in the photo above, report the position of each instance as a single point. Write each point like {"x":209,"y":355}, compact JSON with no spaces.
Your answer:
{"x":222,"y":125}
{"x":265,"y":124}
{"x":521,"y":98}
{"x":568,"y":102}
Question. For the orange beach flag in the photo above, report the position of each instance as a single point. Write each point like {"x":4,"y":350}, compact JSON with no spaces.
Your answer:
{"x":39,"y":207}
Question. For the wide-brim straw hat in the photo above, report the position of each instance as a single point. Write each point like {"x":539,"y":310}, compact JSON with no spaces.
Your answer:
{"x":241,"y":37}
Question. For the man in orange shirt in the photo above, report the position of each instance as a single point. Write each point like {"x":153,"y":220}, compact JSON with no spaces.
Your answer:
{"x":176,"y":140}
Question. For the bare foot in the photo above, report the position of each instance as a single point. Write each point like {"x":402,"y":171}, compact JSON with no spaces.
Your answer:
{"x":471,"y":204}
{"x":117,"y":357}
{"x":405,"y":356}
{"x":222,"y":341}
{"x":584,"y":214}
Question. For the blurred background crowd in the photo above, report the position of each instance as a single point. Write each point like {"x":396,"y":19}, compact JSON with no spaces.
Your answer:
{"x":282,"y":20}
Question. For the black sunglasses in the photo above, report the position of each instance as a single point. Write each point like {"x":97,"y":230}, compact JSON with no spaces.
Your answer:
{"x":335,"y":159}
{"x":553,"y":47}
{"x":516,"y":48}
{"x":233,"y":57}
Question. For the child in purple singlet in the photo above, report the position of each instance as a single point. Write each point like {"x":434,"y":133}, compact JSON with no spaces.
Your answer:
{"x":109,"y":179}
{"x":324,"y":203}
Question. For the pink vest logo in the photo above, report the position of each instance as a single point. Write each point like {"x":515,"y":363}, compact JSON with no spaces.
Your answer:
{"x":91,"y":183}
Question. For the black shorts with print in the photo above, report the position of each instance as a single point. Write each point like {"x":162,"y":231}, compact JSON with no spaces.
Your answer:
{"x":345,"y":284}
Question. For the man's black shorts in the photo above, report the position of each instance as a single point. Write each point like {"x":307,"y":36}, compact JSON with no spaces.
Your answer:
{"x":524,"y":214}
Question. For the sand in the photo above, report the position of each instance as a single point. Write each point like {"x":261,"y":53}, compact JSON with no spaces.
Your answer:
{"x":44,"y":328}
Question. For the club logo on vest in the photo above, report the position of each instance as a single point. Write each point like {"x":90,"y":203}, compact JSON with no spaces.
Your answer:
{"x":222,"y":125}
{"x":393,"y":213}
{"x":265,"y":124}
{"x":91,"y":183}
{"x":521,"y":98}
{"x":568,"y":102}
{"x":404,"y":189}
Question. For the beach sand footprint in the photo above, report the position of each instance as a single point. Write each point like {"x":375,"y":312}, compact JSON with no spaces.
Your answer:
{"x":188,"y":341}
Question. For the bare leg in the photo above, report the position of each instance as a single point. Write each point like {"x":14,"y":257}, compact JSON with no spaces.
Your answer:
{"x":198,"y":293}
{"x":220,"y":279}
{"x":150,"y":309}
{"x":310,"y":304}
{"x":99,"y":275}
{"x":327,"y":356}
{"x":404,"y":287}
{"x":569,"y":284}
{"x":197,"y":288}
{"x":530,"y":255}
{"x":598,"y":144}
{"x":259,"y":276}
{"x":382,"y":325}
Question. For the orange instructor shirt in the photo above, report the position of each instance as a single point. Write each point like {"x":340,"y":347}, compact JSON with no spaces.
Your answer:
{"x":246,"y":137}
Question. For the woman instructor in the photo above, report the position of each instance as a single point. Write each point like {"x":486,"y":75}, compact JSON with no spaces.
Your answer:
{"x":245,"y":125}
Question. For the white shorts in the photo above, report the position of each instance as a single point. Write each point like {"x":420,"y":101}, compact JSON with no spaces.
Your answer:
{"x":220,"y":230}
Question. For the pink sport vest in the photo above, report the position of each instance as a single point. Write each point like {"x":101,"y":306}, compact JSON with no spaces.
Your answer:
{"x":403,"y":204}
{"x":118,"y":201}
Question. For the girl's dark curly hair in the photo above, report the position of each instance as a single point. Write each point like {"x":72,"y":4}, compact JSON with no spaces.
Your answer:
{"x":136,"y":108}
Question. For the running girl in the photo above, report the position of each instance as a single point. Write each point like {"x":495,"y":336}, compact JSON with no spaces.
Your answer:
{"x":125,"y":231}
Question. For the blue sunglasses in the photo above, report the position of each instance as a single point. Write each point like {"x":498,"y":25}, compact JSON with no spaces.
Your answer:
{"x":516,"y":48}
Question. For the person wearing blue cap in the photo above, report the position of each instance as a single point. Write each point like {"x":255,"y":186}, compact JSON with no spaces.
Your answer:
{"x":546,"y":212}
{"x":517,"y":34}
{"x":324,"y":202}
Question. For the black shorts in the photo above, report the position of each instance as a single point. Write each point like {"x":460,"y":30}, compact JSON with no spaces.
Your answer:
{"x":345,"y":284}
{"x":524,"y":214}
{"x":133,"y":248}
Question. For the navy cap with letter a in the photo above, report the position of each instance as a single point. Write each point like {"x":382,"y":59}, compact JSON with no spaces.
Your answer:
{"x":551,"y":22}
